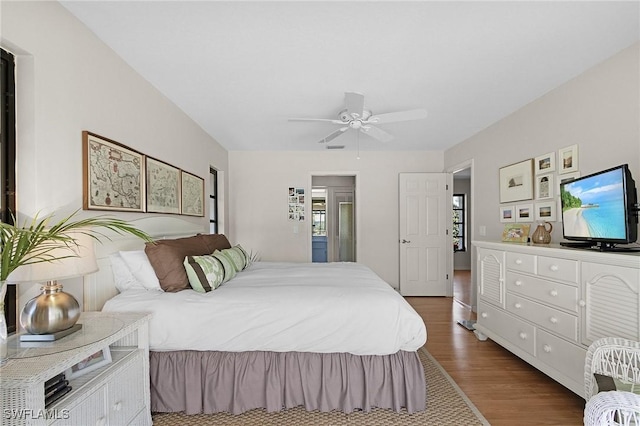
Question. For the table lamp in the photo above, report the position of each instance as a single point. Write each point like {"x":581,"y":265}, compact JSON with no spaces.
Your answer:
{"x":54,"y":313}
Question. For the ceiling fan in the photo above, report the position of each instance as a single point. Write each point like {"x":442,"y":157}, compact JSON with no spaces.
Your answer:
{"x":356,"y":117}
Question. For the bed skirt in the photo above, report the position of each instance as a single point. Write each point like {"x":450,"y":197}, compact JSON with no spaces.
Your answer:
{"x":196,"y":382}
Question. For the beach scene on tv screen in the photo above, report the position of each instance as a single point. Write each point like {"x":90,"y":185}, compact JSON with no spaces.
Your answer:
{"x":594,"y":207}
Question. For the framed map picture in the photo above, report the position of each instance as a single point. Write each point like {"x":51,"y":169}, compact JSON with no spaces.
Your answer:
{"x":163,"y":187}
{"x":112,"y":175}
{"x":192,"y":194}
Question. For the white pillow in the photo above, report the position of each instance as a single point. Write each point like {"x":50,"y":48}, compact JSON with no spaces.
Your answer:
{"x":122,"y":276}
{"x":141,"y":268}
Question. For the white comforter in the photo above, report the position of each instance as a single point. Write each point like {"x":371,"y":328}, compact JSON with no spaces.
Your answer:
{"x":283,"y":307}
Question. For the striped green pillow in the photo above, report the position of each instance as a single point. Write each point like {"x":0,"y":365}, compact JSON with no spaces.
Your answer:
{"x":237,"y":257}
{"x":229,"y":269}
{"x":205,"y":273}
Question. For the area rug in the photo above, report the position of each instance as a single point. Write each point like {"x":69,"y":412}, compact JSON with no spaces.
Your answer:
{"x":446,"y":405}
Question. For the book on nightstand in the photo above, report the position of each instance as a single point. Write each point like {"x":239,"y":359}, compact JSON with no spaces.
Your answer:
{"x":57,"y":395}
{"x":49,"y":337}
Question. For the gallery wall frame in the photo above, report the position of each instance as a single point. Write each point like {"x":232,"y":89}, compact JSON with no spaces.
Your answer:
{"x":567,"y":177}
{"x":192,"y":190}
{"x":544,"y":186}
{"x":516,"y":182}
{"x":507,"y":214}
{"x":524,"y":213}
{"x":163,"y":187}
{"x":546,"y":211}
{"x":568,"y":159}
{"x":545,"y":163}
{"x":112,"y":175}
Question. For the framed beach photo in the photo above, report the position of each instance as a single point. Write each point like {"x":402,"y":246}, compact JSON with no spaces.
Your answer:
{"x":568,"y":159}
{"x":524,"y":213}
{"x":163,"y":187}
{"x":507,"y":214}
{"x":112,"y":175}
{"x":545,"y":163}
{"x":546,"y":211}
{"x":544,"y":186}
{"x":516,"y":182}
{"x":91,"y":363}
{"x":516,"y":233}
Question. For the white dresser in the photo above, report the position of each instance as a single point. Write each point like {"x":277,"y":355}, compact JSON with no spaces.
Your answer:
{"x":547,"y":303}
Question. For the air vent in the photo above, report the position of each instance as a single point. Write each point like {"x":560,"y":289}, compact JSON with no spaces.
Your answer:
{"x":335,"y":146}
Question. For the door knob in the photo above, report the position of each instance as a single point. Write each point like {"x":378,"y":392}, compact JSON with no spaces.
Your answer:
{"x":405,"y":241}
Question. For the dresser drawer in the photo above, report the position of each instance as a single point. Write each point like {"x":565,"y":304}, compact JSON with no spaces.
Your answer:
{"x":559,"y":322}
{"x":558,"y":269}
{"x":568,"y":359}
{"x":521,"y":262}
{"x":507,"y":326}
{"x":563,"y":296}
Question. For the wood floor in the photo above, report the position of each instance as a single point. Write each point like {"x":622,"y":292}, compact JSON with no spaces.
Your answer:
{"x":505,"y":389}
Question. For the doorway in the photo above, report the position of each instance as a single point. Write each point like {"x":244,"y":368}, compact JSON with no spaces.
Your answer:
{"x":333,"y":236}
{"x":461,"y":205}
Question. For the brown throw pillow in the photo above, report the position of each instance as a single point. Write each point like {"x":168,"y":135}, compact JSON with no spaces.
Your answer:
{"x":167,"y":257}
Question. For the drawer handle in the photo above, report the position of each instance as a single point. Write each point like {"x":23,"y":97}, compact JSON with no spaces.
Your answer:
{"x":553,"y":320}
{"x":554,"y":268}
{"x":484,"y":315}
{"x":518,"y":283}
{"x":554,"y":293}
{"x":523,"y":335}
{"x":547,"y":348}
{"x":582,"y":303}
{"x":518,"y":261}
{"x":518,"y":305}
{"x":117,"y":406}
{"x":102,"y":421}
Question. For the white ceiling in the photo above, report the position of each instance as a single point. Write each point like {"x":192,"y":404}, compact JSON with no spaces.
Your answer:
{"x":240,"y":69}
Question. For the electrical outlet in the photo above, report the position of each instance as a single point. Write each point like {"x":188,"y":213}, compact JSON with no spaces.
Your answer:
{"x":483,"y":230}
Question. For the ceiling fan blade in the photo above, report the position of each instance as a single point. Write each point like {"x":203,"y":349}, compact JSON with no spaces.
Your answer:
{"x":377,"y":133}
{"x":334,"y":135}
{"x":327,"y":120}
{"x":355,"y":103}
{"x":391,"y":117}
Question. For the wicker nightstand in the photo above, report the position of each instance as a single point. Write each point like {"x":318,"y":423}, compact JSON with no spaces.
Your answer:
{"x":115,"y":394}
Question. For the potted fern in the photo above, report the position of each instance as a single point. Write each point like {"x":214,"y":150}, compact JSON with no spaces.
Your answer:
{"x":37,"y":241}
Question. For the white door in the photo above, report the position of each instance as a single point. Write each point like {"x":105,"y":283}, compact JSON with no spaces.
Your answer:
{"x":425,"y":243}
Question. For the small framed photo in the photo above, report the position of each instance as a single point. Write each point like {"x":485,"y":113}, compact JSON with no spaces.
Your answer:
{"x":516,"y":233}
{"x":507,"y":214}
{"x":568,"y":159}
{"x":544,"y":186}
{"x":568,"y":177}
{"x":163,"y":187}
{"x":546,"y":211}
{"x":192,"y":194}
{"x":524,"y":213}
{"x":516,"y":182}
{"x":545,"y":163}
{"x":91,"y":363}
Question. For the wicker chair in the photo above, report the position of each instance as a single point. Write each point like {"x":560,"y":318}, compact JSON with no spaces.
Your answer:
{"x":620,"y":359}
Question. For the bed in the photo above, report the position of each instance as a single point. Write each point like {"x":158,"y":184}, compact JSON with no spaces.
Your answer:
{"x":276,"y":335}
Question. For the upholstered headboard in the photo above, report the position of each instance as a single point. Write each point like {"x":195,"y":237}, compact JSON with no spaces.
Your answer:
{"x":100,"y":287}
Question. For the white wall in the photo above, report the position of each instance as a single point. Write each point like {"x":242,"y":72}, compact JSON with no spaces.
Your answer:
{"x":259,"y":182}
{"x":598,"y":110}
{"x":69,"y":81}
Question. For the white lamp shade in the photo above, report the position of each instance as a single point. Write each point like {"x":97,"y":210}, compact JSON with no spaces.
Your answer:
{"x":81,"y":262}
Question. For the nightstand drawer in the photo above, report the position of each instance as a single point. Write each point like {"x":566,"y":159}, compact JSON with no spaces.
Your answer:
{"x":521,"y":262}
{"x":560,"y":295}
{"x":559,"y":269}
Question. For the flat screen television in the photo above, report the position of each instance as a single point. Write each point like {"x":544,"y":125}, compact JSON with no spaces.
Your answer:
{"x":600,"y":210}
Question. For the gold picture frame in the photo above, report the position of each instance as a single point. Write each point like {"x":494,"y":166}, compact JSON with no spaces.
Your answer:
{"x":192,"y":189}
{"x":163,"y":187}
{"x":516,"y":233}
{"x":112,"y":175}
